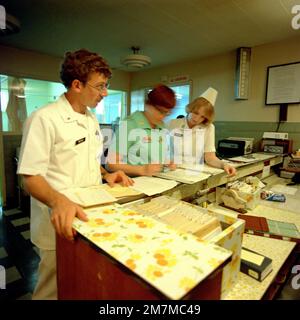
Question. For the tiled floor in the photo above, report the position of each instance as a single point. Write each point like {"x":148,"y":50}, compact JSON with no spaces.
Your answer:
{"x":17,"y":255}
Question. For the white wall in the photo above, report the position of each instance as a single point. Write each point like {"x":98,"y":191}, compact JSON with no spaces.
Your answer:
{"x":219,"y":72}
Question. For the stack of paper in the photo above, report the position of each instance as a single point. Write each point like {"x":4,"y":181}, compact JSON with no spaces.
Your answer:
{"x":119,"y":191}
{"x":184,"y":175}
{"x":191,"y":166}
{"x":152,"y":185}
{"x":87,"y":197}
{"x":201,"y":168}
{"x":252,"y":157}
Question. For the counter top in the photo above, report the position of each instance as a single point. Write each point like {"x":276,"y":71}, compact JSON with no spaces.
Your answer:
{"x":248,"y":288}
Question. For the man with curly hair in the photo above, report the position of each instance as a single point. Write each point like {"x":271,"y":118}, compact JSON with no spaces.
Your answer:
{"x":61,"y":148}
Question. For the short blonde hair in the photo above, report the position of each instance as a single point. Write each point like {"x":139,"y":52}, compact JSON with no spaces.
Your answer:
{"x":198,"y":103}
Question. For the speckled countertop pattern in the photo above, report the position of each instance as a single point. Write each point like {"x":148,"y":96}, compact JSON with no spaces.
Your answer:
{"x":248,"y":288}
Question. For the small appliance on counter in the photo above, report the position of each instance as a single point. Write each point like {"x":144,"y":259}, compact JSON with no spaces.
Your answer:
{"x":277,"y":146}
{"x":235,"y":146}
{"x":276,"y":142}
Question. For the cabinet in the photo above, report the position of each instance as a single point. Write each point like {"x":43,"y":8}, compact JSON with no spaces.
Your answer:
{"x":85,"y":272}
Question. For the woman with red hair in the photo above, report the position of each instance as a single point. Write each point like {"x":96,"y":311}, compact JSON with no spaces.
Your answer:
{"x":139,"y":147}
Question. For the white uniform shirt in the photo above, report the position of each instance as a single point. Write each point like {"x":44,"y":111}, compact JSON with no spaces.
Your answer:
{"x":197,"y":140}
{"x":65,"y":148}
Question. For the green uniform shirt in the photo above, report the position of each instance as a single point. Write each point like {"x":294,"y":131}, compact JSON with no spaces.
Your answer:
{"x":138,"y":143}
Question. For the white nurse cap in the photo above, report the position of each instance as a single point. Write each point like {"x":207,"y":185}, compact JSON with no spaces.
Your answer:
{"x":210,"y":95}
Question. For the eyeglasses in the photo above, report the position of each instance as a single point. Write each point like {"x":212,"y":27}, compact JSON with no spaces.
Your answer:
{"x":101,"y":87}
{"x":163,"y":112}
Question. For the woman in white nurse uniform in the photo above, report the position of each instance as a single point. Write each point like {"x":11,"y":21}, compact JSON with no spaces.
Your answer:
{"x":194,"y":135}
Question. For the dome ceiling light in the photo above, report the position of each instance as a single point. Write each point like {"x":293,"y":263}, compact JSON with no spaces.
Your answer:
{"x":136,"y":60}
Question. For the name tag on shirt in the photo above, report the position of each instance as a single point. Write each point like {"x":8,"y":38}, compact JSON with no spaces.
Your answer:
{"x":79,"y":141}
{"x":147,"y":139}
{"x":178,"y":135}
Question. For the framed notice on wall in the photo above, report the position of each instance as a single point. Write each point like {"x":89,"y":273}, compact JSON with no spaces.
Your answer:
{"x":283,"y":84}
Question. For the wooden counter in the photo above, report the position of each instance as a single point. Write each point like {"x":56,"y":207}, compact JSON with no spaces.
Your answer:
{"x":86,"y":273}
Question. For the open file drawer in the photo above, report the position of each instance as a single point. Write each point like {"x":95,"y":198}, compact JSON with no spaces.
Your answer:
{"x":229,"y":238}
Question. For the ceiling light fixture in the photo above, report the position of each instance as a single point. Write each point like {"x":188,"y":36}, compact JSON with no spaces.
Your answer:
{"x":136,"y":60}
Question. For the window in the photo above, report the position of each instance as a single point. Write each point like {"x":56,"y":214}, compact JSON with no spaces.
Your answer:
{"x":20,"y":97}
{"x":137,"y":100}
{"x":182,"y":96}
{"x":112,"y":108}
